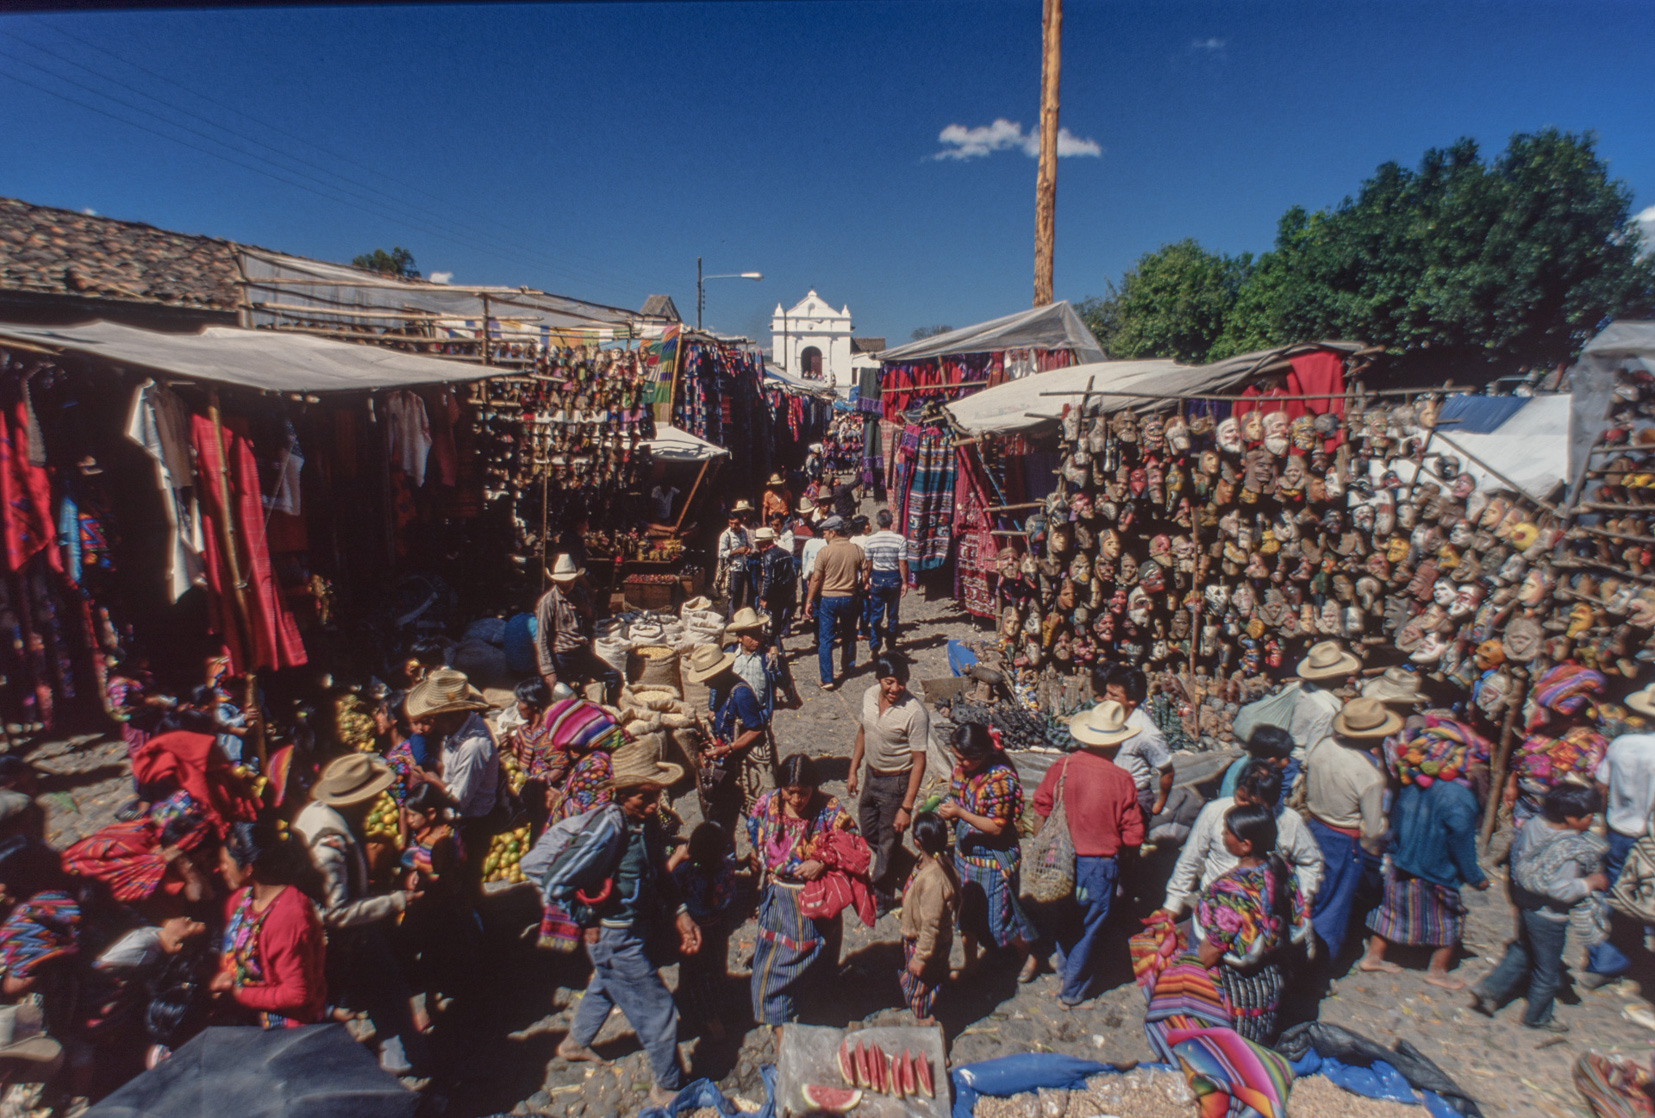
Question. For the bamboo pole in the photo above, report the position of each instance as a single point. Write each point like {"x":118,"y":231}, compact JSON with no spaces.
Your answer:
{"x":684,"y":509}
{"x":1503,"y":479}
{"x":1045,"y":189}
{"x":238,"y":585}
{"x":1502,"y":756}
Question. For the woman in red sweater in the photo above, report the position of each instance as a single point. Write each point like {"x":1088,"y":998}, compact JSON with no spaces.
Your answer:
{"x":273,"y":944}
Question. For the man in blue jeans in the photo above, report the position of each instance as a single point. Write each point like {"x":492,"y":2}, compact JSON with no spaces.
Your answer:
{"x":835,"y":580}
{"x":1626,"y":781}
{"x":887,"y":554}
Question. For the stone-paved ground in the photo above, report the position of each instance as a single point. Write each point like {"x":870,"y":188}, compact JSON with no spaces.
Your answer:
{"x":501,"y":1059}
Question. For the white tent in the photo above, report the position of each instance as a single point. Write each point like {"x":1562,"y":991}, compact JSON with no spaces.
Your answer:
{"x":1620,"y":345}
{"x":263,"y":359}
{"x":1054,"y":326}
{"x":672,"y":444}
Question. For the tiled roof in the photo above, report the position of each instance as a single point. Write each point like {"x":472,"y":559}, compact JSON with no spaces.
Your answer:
{"x":867,"y":345}
{"x":61,"y":252}
{"x":661,"y":305}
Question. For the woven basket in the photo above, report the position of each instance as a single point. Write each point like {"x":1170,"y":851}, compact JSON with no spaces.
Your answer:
{"x":656,"y":665}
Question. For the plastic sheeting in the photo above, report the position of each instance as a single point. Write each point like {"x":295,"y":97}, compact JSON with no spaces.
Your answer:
{"x":263,"y":359}
{"x":673,"y":444}
{"x":1629,"y":344}
{"x":1054,"y":326}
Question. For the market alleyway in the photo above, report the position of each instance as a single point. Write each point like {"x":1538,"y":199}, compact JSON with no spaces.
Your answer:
{"x":500,"y":1060}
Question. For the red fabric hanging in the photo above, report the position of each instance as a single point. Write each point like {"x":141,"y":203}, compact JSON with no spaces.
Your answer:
{"x":1316,"y":374}
{"x":195,"y":763}
{"x":274,"y":641}
{"x":25,"y":495}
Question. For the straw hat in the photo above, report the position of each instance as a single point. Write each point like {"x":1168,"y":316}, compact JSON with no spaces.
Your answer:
{"x":23,"y":1035}
{"x":442,"y":691}
{"x":766,"y":534}
{"x":1104,"y":724}
{"x":706,"y":661}
{"x":746,"y":618}
{"x":639,"y":762}
{"x":1366,"y":718}
{"x":742,"y":505}
{"x":564,"y":570}
{"x":353,"y":779}
{"x":1397,"y":685}
{"x":776,"y":479}
{"x":1643,"y":701}
{"x":1327,"y":660}
{"x":806,"y":505}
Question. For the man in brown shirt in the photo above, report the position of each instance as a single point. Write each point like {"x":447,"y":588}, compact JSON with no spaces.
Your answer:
{"x":836,"y":579}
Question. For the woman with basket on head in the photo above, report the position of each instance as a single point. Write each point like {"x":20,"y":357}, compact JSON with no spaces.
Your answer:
{"x":1096,"y":804}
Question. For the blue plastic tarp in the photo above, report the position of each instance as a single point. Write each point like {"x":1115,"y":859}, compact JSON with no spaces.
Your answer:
{"x":1478,"y":415}
{"x":1026,"y":1071}
{"x":704,"y":1093}
{"x":1378,"y":1081}
{"x":960,"y":657}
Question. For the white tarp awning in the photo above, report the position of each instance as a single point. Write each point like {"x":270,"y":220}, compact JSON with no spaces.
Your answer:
{"x":1620,"y":345}
{"x":1018,"y":405}
{"x":1054,"y":326}
{"x":673,"y":444}
{"x":263,"y":359}
{"x":1531,"y":448}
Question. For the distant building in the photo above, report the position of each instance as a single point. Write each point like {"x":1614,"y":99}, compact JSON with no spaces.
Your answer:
{"x":661,"y":306}
{"x":813,"y":341}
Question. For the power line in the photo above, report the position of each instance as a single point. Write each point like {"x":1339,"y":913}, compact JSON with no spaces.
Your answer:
{"x":495,"y":247}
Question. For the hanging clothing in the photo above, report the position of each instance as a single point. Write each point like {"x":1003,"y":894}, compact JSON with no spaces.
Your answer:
{"x":274,"y":641}
{"x":159,"y":422}
{"x":928,"y":505}
{"x":25,"y":495}
{"x":408,"y":430}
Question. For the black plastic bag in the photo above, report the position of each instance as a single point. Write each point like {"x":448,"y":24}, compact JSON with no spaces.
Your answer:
{"x":1353,"y":1048}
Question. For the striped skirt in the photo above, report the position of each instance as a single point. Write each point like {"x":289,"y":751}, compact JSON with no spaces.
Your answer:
{"x":1254,"y":998}
{"x":989,"y":908}
{"x":788,"y":945}
{"x":1183,"y":995}
{"x":918,"y":993}
{"x":1418,"y":912}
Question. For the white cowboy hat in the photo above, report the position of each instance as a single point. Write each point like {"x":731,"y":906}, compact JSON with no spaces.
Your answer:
{"x":353,"y":779}
{"x":1327,"y":660}
{"x":776,"y":479}
{"x":639,"y":762}
{"x":806,"y":505}
{"x":564,"y":570}
{"x":1366,"y":718}
{"x":741,"y":506}
{"x":706,"y":661}
{"x":1643,"y":701}
{"x":766,"y":534}
{"x":23,"y":1035}
{"x":442,"y":691}
{"x":746,"y":618}
{"x":1104,"y":724}
{"x":1397,"y":685}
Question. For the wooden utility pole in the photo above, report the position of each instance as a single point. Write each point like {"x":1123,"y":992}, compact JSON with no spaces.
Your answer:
{"x":1045,"y":189}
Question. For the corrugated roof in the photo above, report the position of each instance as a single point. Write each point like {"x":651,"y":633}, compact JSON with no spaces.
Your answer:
{"x":867,"y":345}
{"x":661,"y":306}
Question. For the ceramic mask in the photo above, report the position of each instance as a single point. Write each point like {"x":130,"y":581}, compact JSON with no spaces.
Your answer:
{"x":1229,"y":436}
{"x":1178,"y":434}
{"x":1460,"y":534}
{"x":1535,"y":588}
{"x":1443,"y":592}
{"x":1464,"y":485}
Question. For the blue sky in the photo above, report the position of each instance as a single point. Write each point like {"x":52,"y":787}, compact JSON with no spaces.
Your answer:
{"x":596,"y":150}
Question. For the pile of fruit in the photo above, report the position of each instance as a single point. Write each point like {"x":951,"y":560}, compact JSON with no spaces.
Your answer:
{"x":867,"y":1067}
{"x":505,"y":851}
{"x":383,"y":823}
{"x":514,"y":771}
{"x":353,"y":722}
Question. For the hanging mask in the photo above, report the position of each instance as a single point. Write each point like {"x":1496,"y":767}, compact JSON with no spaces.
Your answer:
{"x":1292,"y":474}
{"x":1178,"y":435}
{"x":1229,"y":435}
{"x":1138,"y":481}
{"x":1267,"y":545}
{"x":1512,"y":571}
{"x":1363,"y":517}
{"x":1217,"y":597}
{"x":1157,"y":484}
{"x":1302,"y":433}
{"x":1536,"y":587}
{"x":1466,"y":601}
{"x":1252,"y":426}
{"x":1443,"y":592}
{"x":1097,"y":436}
{"x":1463,"y":487}
{"x":1160,"y":547}
{"x":1641,"y":611}
{"x":1125,"y":425}
{"x":1080,"y":568}
{"x":1493,"y":513}
{"x":1276,"y":425}
{"x":1152,"y":577}
{"x":1241,"y":598}
{"x":1460,"y":534}
{"x":1335,"y":484}
{"x":1154,"y":435}
{"x":1384,"y":516}
{"x":1109,"y":544}
{"x":1209,"y":462}
{"x":1128,"y":569}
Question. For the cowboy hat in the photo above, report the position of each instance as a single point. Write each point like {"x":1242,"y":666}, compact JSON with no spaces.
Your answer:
{"x":1397,"y":685}
{"x":353,"y":779}
{"x":746,"y":618}
{"x":806,"y":505}
{"x":1366,"y":718}
{"x":1326,"y":660}
{"x":23,"y":1037}
{"x":766,"y":534}
{"x":442,"y":691}
{"x":1643,"y":701}
{"x":1104,"y":724}
{"x":639,"y":762}
{"x":741,"y":506}
{"x":776,"y":479}
{"x":706,"y":661}
{"x":564,"y":570}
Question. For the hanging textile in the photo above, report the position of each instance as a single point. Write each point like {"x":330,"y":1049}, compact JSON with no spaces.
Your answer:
{"x":408,"y":429}
{"x":25,"y":494}
{"x":928,"y":504}
{"x":159,"y":422}
{"x":974,"y":562}
{"x":274,"y":641}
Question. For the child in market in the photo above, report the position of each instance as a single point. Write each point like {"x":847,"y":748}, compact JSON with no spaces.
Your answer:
{"x":1556,"y":868}
{"x":705,"y":871}
{"x":930,"y":905}
{"x":440,"y":932}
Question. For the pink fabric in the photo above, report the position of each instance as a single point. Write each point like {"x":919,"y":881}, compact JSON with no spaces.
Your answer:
{"x":845,"y":884}
{"x":195,"y":763}
{"x":25,"y":495}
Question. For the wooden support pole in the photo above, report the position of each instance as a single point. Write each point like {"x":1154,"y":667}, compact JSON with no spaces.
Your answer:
{"x":1502,"y":755}
{"x":1045,"y":189}
{"x":238,"y":584}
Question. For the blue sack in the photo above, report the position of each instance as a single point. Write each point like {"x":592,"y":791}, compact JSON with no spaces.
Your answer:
{"x":703,"y":1092}
{"x":960,"y":657}
{"x":1026,"y":1071}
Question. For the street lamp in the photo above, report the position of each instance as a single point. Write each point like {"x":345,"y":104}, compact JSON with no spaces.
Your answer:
{"x":701,"y":298}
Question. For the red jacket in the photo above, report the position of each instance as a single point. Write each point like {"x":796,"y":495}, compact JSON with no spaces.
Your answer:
{"x":1101,"y":802}
{"x":292,"y":952}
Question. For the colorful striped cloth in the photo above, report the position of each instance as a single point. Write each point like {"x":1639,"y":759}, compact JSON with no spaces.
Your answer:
{"x":1442,"y":750}
{"x":45,"y":927}
{"x":1231,"y":1076}
{"x":1180,"y":992}
{"x":1567,"y":688}
{"x":1418,"y":912}
{"x":928,"y":503}
{"x":1614,"y":1087}
{"x":581,"y":726}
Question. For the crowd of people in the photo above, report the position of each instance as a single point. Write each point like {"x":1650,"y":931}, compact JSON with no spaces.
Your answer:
{"x":239,"y":888}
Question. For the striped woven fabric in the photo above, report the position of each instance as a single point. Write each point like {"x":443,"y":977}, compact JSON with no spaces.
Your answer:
{"x":582,"y":725}
{"x":1231,"y":1076}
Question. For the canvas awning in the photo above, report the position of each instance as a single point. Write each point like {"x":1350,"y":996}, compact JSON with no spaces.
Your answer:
{"x":673,"y":444}
{"x":1054,"y":326}
{"x":262,"y":359}
{"x":1620,"y":345}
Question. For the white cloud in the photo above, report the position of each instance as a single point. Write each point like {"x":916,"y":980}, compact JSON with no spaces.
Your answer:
{"x":440,"y":277}
{"x":1007,"y":135}
{"x":1646,"y":219}
{"x":1212,"y":42}
{"x":89,"y":212}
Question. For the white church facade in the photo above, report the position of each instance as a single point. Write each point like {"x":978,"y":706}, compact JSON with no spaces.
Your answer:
{"x":812,"y":341}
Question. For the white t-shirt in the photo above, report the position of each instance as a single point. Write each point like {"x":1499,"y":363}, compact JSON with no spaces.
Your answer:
{"x":662,"y":496}
{"x":1628,"y":769}
{"x":807,"y":561}
{"x":1144,"y":755}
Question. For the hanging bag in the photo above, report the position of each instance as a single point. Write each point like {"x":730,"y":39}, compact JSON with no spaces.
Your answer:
{"x":1050,"y":873}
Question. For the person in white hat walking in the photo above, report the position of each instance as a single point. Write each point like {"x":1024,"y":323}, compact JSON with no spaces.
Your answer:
{"x":620,"y":854}
{"x":730,"y":576}
{"x":1344,"y":793}
{"x":362,"y":969}
{"x":468,"y":758}
{"x":563,"y":634}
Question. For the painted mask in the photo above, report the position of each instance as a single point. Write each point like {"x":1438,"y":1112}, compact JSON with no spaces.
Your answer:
{"x":1302,"y":432}
{"x":1363,"y":517}
{"x":1460,"y":534}
{"x":1252,"y":426}
{"x":1229,"y":436}
{"x":1535,"y":587}
{"x":1463,"y":486}
{"x":1241,"y":598}
{"x":1154,"y":435}
{"x":1178,"y":434}
{"x":1160,"y":547}
{"x":1138,"y":481}
{"x":1125,"y":426}
{"x":1128,"y":569}
{"x":1152,"y":577}
{"x":1109,"y":544}
{"x":1443,"y":592}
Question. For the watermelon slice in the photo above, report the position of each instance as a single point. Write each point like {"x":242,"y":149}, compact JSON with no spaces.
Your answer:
{"x":910,"y":1077}
{"x":876,"y":1061}
{"x":922,"y":1069}
{"x":864,"y":1078}
{"x":847,"y":1071}
{"x":893,"y":1075}
{"x":830,"y":1100}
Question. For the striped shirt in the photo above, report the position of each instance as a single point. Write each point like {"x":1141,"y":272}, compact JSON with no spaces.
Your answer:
{"x":884,"y":549}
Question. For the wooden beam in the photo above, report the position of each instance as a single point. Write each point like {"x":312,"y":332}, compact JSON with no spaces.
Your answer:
{"x":1045,"y":189}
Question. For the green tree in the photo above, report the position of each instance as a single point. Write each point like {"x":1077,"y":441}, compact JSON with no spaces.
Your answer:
{"x":398,"y":262}
{"x":924,"y":332}
{"x":1173,"y":302}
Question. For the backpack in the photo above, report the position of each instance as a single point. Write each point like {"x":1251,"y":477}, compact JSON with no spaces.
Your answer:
{"x":780,"y":576}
